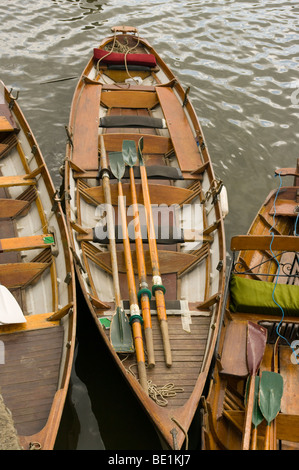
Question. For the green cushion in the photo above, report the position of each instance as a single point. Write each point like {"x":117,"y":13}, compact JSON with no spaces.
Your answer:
{"x":251,"y":296}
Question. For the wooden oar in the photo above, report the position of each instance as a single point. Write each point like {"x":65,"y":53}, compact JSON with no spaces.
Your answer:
{"x":144,"y":294}
{"x":120,"y":329}
{"x":271,"y":390}
{"x":257,"y":416}
{"x":256,"y":343}
{"x":117,"y":167}
{"x":157,"y":288}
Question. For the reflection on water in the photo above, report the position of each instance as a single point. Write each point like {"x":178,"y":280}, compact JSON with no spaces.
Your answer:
{"x":240,"y":59}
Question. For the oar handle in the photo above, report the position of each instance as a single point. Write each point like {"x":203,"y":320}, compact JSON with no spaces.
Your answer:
{"x":144,"y":296}
{"x":248,"y":415}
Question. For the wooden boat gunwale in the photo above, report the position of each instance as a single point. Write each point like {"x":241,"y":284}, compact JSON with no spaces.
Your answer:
{"x":36,"y":171}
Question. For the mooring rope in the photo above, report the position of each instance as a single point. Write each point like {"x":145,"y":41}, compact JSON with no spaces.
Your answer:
{"x":158,"y":394}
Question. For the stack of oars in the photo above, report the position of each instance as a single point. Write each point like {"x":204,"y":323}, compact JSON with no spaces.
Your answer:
{"x":121,"y":333}
{"x":264,"y":393}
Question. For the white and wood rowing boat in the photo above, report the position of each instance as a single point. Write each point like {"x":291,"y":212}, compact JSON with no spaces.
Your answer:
{"x":126,"y":97}
{"x":37,"y":286}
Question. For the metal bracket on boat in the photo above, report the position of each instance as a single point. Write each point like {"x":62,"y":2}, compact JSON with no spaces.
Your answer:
{"x":12,"y":98}
{"x":186,"y":96}
{"x":54,"y":246}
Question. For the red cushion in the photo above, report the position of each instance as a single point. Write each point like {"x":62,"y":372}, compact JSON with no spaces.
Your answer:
{"x":116,"y":58}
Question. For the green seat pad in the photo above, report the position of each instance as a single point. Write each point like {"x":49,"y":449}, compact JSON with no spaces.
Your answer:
{"x":251,"y":296}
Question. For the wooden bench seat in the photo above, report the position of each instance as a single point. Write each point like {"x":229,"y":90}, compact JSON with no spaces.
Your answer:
{"x":263,"y":242}
{"x":180,"y":132}
{"x":128,"y":99}
{"x":5,"y":125}
{"x":158,"y":192}
{"x":16,"y":275}
{"x":26,"y":243}
{"x":12,"y":207}
{"x":85,"y":128}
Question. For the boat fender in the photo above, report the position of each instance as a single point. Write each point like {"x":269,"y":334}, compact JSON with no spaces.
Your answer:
{"x":224,"y":201}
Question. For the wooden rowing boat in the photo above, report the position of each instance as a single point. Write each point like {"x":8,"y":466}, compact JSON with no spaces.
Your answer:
{"x":37,"y":287}
{"x":263,"y":291}
{"x":129,"y":103}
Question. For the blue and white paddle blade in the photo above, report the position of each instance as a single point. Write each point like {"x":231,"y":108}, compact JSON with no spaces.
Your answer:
{"x":10,"y":311}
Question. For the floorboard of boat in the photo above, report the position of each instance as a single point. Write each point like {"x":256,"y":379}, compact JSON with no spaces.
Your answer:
{"x":29,"y":376}
{"x":188,"y":350}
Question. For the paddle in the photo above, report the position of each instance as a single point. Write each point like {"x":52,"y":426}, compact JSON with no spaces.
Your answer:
{"x":144,"y":294}
{"x":271,"y":389}
{"x":120,"y":330}
{"x":157,"y":288}
{"x":117,"y":167}
{"x":257,"y":416}
{"x":256,"y":343}
{"x":10,"y":311}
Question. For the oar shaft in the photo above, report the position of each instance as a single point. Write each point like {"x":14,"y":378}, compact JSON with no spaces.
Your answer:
{"x":110,"y":227}
{"x":157,"y":282}
{"x":248,"y":415}
{"x":144,"y":298}
{"x":134,"y":308}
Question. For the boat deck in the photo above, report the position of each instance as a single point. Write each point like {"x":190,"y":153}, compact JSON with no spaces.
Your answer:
{"x":34,"y":357}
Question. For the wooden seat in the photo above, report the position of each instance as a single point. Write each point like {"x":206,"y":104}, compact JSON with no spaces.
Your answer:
{"x":5,"y":125}
{"x":180,"y":132}
{"x":128,"y":99}
{"x":15,"y":275}
{"x":85,"y":129}
{"x":263,"y":242}
{"x":27,"y":243}
{"x":12,"y":207}
{"x":158,"y":192}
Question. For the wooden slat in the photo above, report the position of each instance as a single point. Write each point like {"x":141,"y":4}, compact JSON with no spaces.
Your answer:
{"x":128,"y":99}
{"x":33,"y":322}
{"x":170,"y":261}
{"x":26,"y":243}
{"x":11,"y":207}
{"x":153,"y":144}
{"x":85,"y":128}
{"x":180,"y":132}
{"x":285,"y":208}
{"x":18,"y":180}
{"x":14,"y":275}
{"x":159,"y":194}
{"x":29,"y":376}
{"x":233,"y":357}
{"x":5,"y":125}
{"x":262,"y":242}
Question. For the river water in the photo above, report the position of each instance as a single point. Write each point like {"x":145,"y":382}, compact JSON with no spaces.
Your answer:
{"x":241,"y":59}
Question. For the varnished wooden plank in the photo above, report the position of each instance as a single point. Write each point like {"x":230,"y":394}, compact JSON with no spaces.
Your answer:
{"x":18,"y":180}
{"x":29,"y":398}
{"x":169,"y":261}
{"x":13,"y":275}
{"x":181,"y":134}
{"x":263,"y":242}
{"x":152,"y":144}
{"x":158,"y":193}
{"x":11,"y":207}
{"x":85,"y":128}
{"x":33,"y":322}
{"x":5,"y":125}
{"x":26,"y":243}
{"x":129,"y":99}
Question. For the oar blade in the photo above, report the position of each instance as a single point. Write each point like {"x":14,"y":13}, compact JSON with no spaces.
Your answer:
{"x":140,"y":150}
{"x":271,"y":390}
{"x":256,"y":343}
{"x":117,"y":164}
{"x":129,"y":152}
{"x":121,"y":333}
{"x":257,"y":416}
